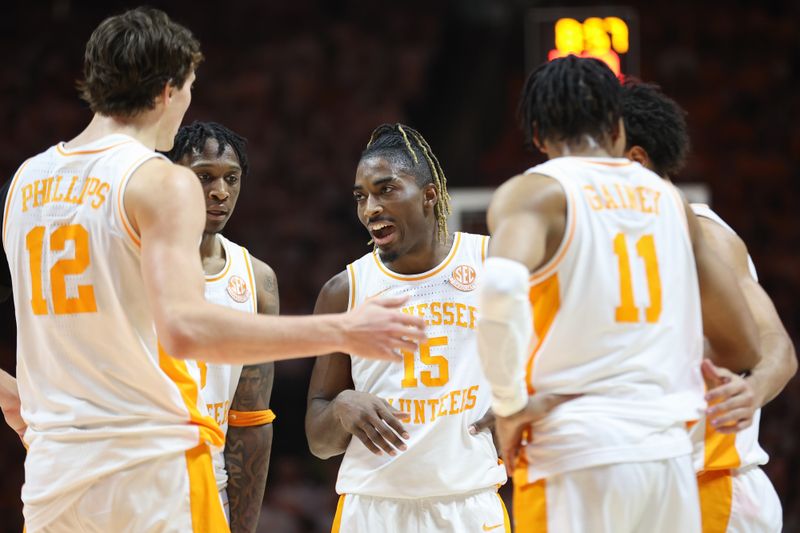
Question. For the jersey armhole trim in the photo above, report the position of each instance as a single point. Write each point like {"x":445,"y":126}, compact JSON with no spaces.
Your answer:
{"x":351,"y":300}
{"x":228,"y":261}
{"x":681,"y":207}
{"x":249,"y":265}
{"x":566,"y":241}
{"x":7,"y":207}
{"x":123,"y":184}
{"x":484,"y":248}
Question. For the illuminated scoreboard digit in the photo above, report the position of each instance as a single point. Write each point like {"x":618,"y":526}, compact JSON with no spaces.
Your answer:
{"x":610,"y":34}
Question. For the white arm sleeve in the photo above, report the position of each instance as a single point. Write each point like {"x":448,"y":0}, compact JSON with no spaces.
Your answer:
{"x":504,"y":332}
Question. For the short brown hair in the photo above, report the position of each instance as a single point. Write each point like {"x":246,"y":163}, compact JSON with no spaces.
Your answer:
{"x":130,"y":57}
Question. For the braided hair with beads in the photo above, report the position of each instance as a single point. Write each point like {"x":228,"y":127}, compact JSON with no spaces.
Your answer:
{"x":405,"y":145}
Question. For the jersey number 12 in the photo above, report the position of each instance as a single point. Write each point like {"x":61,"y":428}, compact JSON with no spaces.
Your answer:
{"x":62,"y":304}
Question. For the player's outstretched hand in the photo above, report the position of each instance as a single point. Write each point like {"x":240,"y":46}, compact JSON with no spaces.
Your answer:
{"x":378,"y":330}
{"x":731,"y":399}
{"x":372,"y":420}
{"x":509,"y":429}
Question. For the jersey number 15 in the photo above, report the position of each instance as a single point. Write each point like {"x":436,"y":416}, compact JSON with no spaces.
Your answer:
{"x":425,"y":357}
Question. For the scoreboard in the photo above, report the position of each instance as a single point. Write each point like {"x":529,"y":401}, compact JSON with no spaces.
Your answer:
{"x":610,"y":34}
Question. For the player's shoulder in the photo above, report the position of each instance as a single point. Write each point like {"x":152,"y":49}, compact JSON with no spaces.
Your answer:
{"x":158,"y":168}
{"x":334,"y":295}
{"x":262,"y":271}
{"x":174,"y":183}
{"x":720,"y":234}
{"x":531,"y":191}
{"x":266,"y":286}
{"x":170,"y":180}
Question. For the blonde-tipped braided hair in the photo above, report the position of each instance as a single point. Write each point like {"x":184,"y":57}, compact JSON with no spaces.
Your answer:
{"x":388,"y":137}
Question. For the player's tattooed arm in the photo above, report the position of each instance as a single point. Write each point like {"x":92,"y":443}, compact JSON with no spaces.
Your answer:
{"x":336,"y":412}
{"x":247,"y":449}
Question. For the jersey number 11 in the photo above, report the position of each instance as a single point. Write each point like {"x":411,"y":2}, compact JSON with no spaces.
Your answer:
{"x":646,"y":249}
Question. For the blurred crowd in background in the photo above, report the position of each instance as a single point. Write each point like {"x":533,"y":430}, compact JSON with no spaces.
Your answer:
{"x":306,"y":82}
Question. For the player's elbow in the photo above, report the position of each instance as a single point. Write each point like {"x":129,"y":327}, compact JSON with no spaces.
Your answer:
{"x":317,"y":446}
{"x":320,"y":445}
{"x":179,"y":344}
{"x":178,"y":336}
{"x":320,"y":450}
{"x":791,"y":359}
{"x":741,"y":360}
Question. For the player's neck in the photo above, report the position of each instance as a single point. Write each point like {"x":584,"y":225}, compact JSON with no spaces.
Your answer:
{"x":585,"y":147}
{"x":211,"y":246}
{"x":142,"y":127}
{"x":422,"y":258}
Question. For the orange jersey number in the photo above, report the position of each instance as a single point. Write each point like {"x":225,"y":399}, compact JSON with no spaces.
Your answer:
{"x":646,"y":249}
{"x":62,"y":304}
{"x":425,"y":357}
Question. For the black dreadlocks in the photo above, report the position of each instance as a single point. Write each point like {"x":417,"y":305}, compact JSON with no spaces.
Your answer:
{"x":569,"y":98}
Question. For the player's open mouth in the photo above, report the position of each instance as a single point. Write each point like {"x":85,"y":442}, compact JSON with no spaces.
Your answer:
{"x":382,"y":233}
{"x":216,"y":214}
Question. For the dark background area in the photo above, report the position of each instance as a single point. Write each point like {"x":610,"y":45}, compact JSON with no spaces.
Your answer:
{"x":306,"y":81}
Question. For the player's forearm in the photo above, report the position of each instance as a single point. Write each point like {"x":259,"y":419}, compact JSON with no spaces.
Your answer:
{"x":218,"y":335}
{"x":9,"y":394}
{"x":727,"y":322}
{"x":247,"y":453}
{"x":326,"y":436}
{"x":777,"y":366}
{"x":504,"y":332}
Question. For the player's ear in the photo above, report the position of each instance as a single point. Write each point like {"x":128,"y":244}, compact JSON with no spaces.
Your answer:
{"x":430,"y":195}
{"x":638,"y":154}
{"x":165,"y":94}
{"x":618,"y":138}
{"x":537,"y":142}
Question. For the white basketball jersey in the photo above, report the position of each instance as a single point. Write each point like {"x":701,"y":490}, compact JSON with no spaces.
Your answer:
{"x":616,"y":319}
{"x":440,"y":385}
{"x":232,"y":287}
{"x":98,"y":392}
{"x":714,"y":450}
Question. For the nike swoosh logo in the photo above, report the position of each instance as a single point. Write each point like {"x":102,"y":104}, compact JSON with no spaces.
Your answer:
{"x":489,"y":528}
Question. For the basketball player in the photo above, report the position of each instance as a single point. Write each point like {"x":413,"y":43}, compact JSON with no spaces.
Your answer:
{"x":237,"y":397}
{"x":413,"y":465}
{"x":597,"y":255}
{"x":101,"y":237}
{"x":735,"y":494}
{"x":9,"y":394}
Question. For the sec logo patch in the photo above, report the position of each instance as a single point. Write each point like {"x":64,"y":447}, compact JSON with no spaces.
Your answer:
{"x":237,"y":289}
{"x":463,"y":278}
